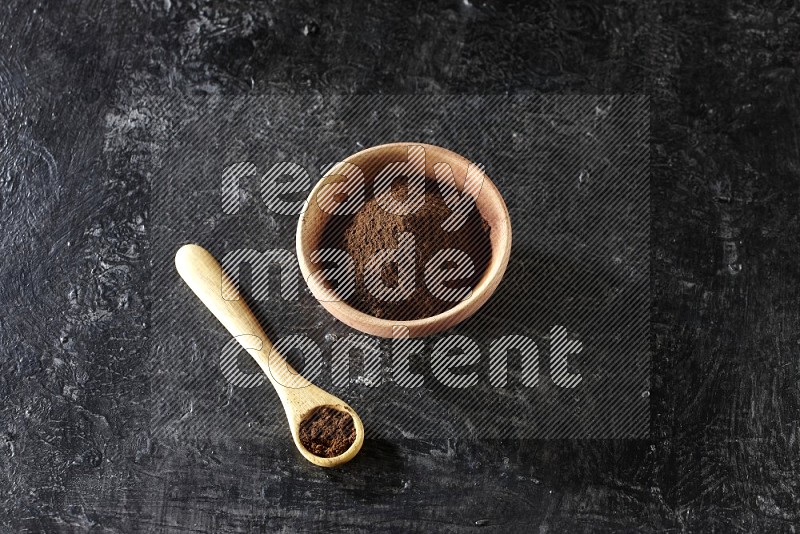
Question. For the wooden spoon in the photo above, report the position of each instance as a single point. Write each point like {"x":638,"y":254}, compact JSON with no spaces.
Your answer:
{"x":299,"y":397}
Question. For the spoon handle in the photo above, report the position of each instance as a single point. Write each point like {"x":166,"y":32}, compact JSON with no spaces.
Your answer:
{"x":204,"y":275}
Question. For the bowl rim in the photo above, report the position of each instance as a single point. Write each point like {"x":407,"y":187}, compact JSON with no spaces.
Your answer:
{"x":425,"y":326}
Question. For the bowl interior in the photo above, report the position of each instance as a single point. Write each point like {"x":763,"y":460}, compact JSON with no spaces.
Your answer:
{"x":363,"y":167}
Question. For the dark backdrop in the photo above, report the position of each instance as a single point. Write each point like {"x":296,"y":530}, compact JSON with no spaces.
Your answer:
{"x":76,"y":452}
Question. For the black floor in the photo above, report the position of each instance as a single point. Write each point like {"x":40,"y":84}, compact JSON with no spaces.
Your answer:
{"x":77,"y":453}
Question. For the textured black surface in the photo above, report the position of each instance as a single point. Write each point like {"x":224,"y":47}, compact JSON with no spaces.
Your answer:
{"x":77,"y":452}
{"x":577,"y":186}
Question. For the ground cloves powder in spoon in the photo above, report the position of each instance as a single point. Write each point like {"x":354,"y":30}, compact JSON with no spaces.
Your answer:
{"x":327,"y":432}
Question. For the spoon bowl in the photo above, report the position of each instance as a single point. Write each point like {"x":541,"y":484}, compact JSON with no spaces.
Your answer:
{"x":299,"y":397}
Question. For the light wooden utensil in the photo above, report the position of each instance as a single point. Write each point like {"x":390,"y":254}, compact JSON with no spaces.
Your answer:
{"x":299,"y":397}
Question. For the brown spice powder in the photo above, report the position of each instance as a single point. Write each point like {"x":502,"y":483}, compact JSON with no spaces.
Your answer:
{"x":327,"y":432}
{"x":374,"y":229}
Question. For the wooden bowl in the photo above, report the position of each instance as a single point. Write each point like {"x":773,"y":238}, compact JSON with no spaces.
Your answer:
{"x":489,"y":203}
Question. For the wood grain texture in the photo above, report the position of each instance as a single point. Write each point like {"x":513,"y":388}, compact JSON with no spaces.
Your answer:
{"x":77,"y":453}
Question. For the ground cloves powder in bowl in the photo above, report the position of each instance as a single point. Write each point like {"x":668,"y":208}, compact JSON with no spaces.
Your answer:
{"x":374,"y":229}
